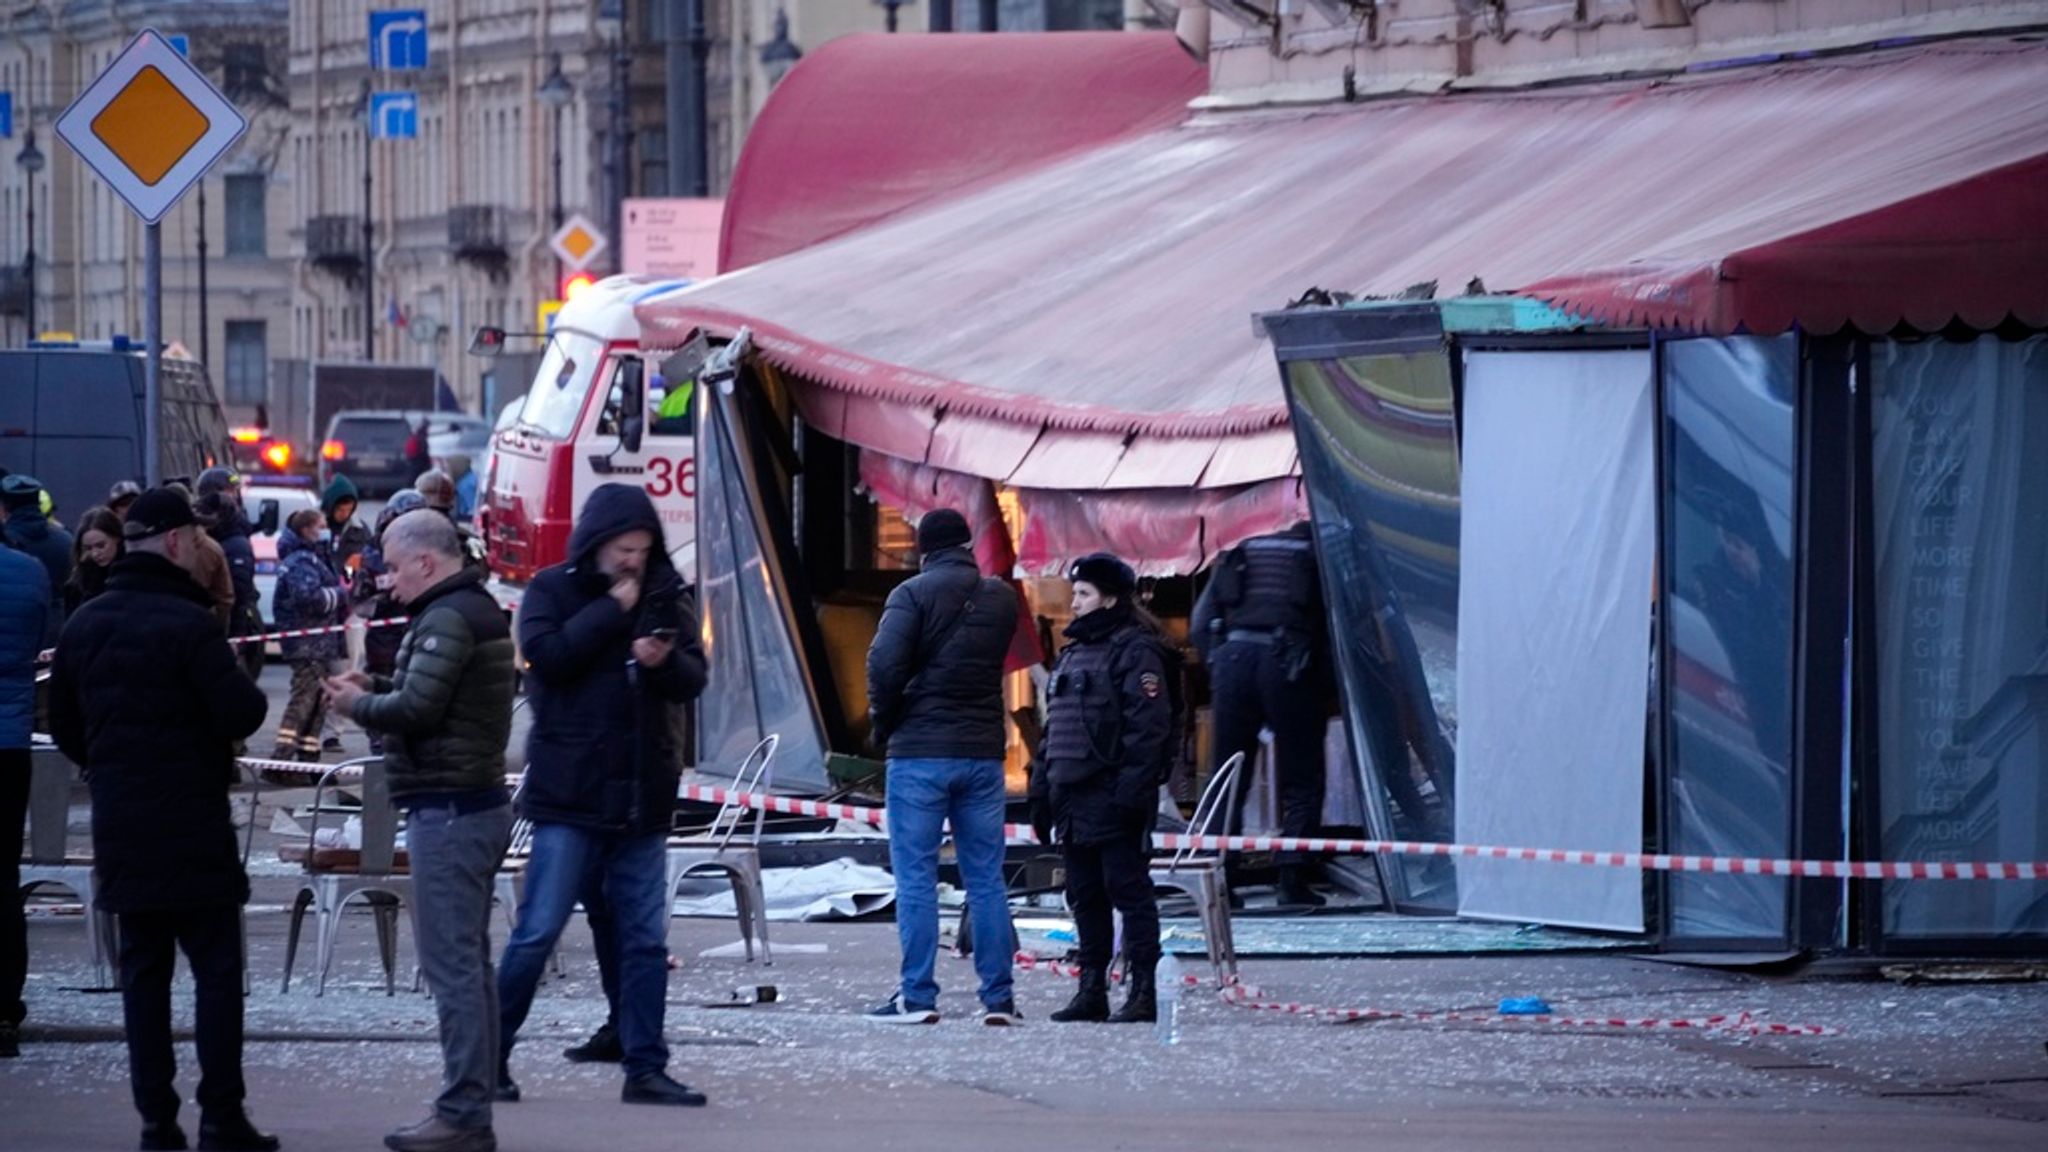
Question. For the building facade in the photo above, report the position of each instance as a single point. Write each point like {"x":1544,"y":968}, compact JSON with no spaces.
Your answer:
{"x":232,"y":233}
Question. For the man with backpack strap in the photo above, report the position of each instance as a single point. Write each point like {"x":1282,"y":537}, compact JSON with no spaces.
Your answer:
{"x":935,"y":699}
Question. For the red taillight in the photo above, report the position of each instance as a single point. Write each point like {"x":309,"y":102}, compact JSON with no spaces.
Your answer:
{"x":245,"y":435}
{"x":333,"y":450}
{"x":278,"y":455}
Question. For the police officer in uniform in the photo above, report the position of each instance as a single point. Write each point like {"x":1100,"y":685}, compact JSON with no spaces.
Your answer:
{"x":1107,"y":741}
{"x":1260,"y":626}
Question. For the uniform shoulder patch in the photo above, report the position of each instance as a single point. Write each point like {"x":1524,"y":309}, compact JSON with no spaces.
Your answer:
{"x":1150,"y":684}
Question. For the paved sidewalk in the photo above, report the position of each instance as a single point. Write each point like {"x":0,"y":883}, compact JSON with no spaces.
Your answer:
{"x":1913,"y":1067}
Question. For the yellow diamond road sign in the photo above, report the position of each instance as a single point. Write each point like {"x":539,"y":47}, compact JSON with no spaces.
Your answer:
{"x":577,"y":242}
{"x":150,"y":125}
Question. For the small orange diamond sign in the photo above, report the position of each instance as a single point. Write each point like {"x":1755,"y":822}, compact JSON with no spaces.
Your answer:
{"x":150,"y":125}
{"x":577,"y":242}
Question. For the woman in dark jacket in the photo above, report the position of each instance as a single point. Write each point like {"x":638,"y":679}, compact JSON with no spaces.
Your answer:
{"x":98,"y":546}
{"x":1109,"y":720}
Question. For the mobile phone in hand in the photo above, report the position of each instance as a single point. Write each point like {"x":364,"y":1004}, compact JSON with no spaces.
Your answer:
{"x":663,"y":634}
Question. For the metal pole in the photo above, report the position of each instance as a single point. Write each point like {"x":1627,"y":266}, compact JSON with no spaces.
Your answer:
{"x":28,"y":262}
{"x":369,"y":259}
{"x":696,"y":160}
{"x":942,"y":15}
{"x":556,"y":212}
{"x":153,"y":361}
{"x":989,"y":23}
{"x":205,"y":343}
{"x":615,"y":208}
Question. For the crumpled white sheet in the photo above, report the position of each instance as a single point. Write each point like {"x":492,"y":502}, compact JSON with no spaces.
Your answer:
{"x":836,"y":890}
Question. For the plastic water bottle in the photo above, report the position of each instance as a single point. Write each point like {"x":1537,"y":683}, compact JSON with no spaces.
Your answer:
{"x":1166,"y":989}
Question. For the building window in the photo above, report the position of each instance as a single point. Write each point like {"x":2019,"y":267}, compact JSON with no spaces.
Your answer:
{"x":246,"y":224}
{"x":248,"y":362}
{"x":653,"y":145}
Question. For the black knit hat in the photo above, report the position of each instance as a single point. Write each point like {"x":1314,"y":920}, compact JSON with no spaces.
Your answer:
{"x":940,"y":529}
{"x":1111,"y":576}
{"x":156,"y":512}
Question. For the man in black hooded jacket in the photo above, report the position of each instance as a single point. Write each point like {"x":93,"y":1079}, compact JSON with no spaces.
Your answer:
{"x":610,"y":641}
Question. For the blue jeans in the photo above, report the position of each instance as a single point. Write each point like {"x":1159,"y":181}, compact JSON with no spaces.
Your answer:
{"x":922,"y":795}
{"x":455,"y":860}
{"x":634,"y":873}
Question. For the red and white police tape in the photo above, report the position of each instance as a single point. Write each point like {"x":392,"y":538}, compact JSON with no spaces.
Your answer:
{"x":1638,"y":861}
{"x":49,"y":654}
{"x":1239,"y":995}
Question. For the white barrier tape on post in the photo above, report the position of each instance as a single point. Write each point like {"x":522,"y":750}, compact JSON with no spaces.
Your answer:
{"x":1733,"y":865}
{"x":1245,"y":996}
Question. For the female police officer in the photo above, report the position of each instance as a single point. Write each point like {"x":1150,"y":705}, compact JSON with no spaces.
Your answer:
{"x":1107,"y":735}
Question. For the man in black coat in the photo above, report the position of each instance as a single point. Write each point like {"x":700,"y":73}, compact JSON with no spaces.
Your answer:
{"x":24,"y":526}
{"x":148,"y":699}
{"x":935,"y":698}
{"x":610,"y":641}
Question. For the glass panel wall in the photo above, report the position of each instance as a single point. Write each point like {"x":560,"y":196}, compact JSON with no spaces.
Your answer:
{"x":1960,"y":506}
{"x":1729,"y":593}
{"x":1379,"y":450}
{"x":757,"y":682}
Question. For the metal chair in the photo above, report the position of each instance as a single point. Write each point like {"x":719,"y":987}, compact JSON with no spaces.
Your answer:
{"x":1199,"y":871}
{"x":713,"y":852}
{"x":50,"y":865}
{"x":335,"y":877}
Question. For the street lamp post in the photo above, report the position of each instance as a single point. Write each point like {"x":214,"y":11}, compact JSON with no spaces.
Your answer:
{"x":780,"y":54}
{"x":611,"y":16}
{"x":31,"y":162}
{"x":369,"y":252}
{"x":555,"y":92}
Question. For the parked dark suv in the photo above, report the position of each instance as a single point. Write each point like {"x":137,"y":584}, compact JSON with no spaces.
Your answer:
{"x":369,"y":449}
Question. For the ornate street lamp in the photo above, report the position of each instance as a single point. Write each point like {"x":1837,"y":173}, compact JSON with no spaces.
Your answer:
{"x":779,"y":55}
{"x":556,"y":92}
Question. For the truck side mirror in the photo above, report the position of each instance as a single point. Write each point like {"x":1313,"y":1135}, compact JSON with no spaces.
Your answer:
{"x":266,"y":518}
{"x":489,"y":341}
{"x":632,"y":403}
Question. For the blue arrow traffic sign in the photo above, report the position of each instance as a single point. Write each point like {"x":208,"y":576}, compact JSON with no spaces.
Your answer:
{"x":394,"y":115}
{"x":398,"y":40}
{"x":181,"y":44}
{"x":6,"y":115}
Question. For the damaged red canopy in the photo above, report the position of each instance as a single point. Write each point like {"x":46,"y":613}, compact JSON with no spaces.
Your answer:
{"x":1085,"y":325}
{"x":869,"y":125}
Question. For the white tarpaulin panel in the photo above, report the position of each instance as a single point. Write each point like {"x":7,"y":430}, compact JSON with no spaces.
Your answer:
{"x":1556,"y":546}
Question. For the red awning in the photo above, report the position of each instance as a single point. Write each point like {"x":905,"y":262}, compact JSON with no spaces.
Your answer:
{"x":1086,"y":325}
{"x":870,"y":125}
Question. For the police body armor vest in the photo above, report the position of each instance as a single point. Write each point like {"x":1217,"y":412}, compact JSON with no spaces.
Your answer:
{"x":1083,"y":716}
{"x":1278,"y":588}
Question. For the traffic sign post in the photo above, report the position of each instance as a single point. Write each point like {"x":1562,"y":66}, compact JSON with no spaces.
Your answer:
{"x":398,"y":40}
{"x":577,"y":242}
{"x":394,"y":115}
{"x":150,"y":126}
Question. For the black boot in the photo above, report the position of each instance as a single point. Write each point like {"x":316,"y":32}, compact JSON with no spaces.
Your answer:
{"x":602,"y":1047}
{"x":1091,"y":1000}
{"x":1294,"y":889}
{"x":1142,"y":1005}
{"x":231,"y":1132}
{"x":163,"y":1136}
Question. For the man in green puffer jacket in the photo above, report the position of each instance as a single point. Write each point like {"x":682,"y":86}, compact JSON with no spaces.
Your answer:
{"x":446,"y":716}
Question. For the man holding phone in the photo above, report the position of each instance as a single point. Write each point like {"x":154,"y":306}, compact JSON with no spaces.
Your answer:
{"x":610,"y":642}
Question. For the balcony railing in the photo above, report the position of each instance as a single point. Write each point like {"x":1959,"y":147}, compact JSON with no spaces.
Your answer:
{"x":335,"y":244}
